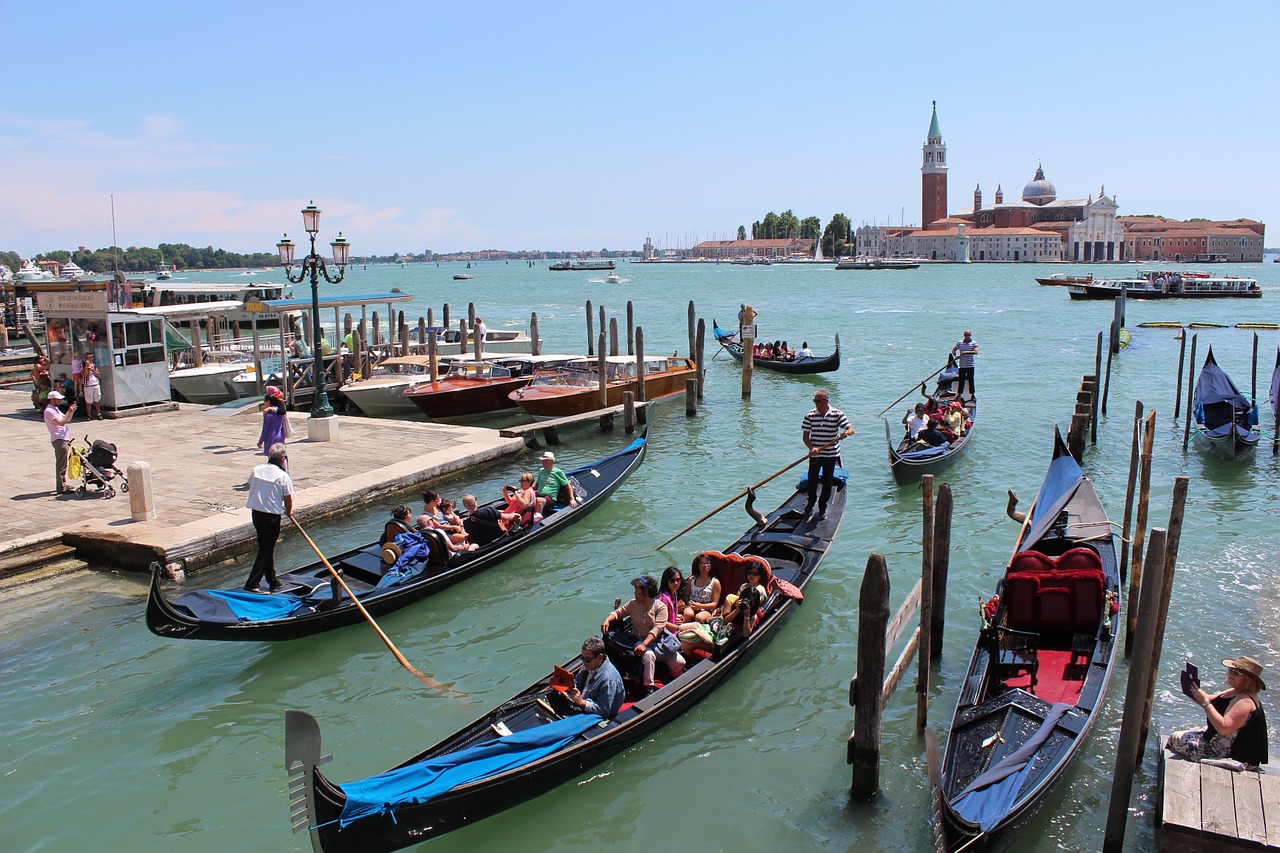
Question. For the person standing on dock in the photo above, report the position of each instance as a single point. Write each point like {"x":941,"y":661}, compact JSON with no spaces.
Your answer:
{"x":481,"y":334}
{"x":823,"y":428}
{"x":270,"y":498}
{"x":965,"y":350}
{"x":60,"y":438}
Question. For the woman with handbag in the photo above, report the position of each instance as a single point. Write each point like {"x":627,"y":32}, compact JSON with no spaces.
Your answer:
{"x":651,"y":630}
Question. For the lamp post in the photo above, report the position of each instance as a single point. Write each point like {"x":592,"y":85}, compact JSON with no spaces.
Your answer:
{"x":314,"y":266}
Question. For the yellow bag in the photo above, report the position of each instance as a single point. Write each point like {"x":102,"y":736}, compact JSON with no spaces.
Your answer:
{"x":73,"y":466}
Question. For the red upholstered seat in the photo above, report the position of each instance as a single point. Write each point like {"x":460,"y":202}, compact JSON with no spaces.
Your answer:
{"x":1079,"y":558}
{"x":1030,"y":562}
{"x":1020,"y":601}
{"x":1086,"y":601}
{"x":1055,"y":608}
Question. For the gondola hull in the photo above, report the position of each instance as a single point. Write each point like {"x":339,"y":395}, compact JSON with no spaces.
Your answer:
{"x":1026,"y":707}
{"x":1224,"y":417}
{"x":909,"y":462}
{"x":1237,"y":446}
{"x":799,"y":367}
{"x":792,"y":547}
{"x":362,"y":568}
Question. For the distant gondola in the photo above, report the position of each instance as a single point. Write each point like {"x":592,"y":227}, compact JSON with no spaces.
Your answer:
{"x":1225,"y":420}
{"x":910,"y":460}
{"x":303,"y":607}
{"x":526,"y":746}
{"x":807,"y":365}
{"x":1037,"y":678}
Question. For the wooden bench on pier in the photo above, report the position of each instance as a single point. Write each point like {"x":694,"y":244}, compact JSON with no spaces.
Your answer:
{"x":1203,"y":807}
{"x":550,"y":429}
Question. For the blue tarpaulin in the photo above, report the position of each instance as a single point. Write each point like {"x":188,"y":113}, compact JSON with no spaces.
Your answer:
{"x":840,"y":477}
{"x":421,"y":782}
{"x":253,"y":607}
{"x":990,"y":797}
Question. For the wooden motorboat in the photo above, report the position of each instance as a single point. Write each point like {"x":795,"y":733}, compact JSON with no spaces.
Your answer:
{"x":477,"y":388}
{"x":574,"y":388}
{"x":910,"y":460}
{"x":530,"y":744}
{"x":806,"y":365}
{"x":1064,"y":280}
{"x":382,"y":392}
{"x":1039,"y":671}
{"x":1225,"y":420}
{"x":303,"y":606}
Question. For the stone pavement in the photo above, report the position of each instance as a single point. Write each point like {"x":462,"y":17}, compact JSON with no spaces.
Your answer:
{"x":200,"y":461}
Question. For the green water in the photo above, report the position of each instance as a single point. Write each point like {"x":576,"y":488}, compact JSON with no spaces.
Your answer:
{"x":117,"y":739}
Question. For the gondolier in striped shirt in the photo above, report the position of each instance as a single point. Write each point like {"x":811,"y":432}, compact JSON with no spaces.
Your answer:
{"x":965,"y":350}
{"x":823,"y":427}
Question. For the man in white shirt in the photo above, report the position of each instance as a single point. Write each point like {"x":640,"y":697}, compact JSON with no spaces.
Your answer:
{"x":60,"y":438}
{"x":270,"y":498}
{"x":804,"y":351}
{"x":481,"y":335}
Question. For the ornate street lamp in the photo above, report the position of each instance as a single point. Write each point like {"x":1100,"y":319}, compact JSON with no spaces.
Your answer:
{"x":314,"y":266}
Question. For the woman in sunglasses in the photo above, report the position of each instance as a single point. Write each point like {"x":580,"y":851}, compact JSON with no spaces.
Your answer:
{"x":1237,"y":726}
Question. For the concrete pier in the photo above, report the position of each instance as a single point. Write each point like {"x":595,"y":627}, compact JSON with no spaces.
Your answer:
{"x":200,"y":460}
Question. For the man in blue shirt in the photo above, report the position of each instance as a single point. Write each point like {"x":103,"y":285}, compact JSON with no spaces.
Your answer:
{"x":597,"y":686}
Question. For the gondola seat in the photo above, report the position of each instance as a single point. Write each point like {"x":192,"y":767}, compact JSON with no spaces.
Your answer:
{"x":391,"y":530}
{"x":1017,"y":653}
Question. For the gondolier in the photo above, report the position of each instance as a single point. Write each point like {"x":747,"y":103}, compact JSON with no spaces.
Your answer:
{"x":823,"y":428}
{"x":965,"y":350}
{"x":270,"y":499}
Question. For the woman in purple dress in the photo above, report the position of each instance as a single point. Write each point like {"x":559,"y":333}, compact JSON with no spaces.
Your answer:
{"x":273,"y":419}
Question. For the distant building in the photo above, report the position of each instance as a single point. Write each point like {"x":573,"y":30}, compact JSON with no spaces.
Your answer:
{"x":730,"y":249}
{"x":1156,"y":238}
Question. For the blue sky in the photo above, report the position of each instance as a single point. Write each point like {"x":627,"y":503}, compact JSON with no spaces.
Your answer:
{"x":566,"y":125}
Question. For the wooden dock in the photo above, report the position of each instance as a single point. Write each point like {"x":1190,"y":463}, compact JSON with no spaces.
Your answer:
{"x":1208,"y":808}
{"x":550,"y":429}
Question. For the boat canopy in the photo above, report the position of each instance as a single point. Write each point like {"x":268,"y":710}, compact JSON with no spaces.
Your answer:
{"x":1215,"y":386}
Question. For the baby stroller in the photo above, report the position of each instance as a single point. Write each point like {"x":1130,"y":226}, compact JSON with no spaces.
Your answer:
{"x":97,"y":463}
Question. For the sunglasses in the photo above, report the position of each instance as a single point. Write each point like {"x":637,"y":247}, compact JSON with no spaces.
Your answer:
{"x":589,"y":659}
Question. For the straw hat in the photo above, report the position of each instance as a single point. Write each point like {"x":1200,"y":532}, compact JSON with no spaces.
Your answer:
{"x":1244,"y":663}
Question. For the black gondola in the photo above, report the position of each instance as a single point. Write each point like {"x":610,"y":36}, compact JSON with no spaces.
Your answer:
{"x":800,"y":366}
{"x":910,"y":460}
{"x":386,"y":811}
{"x":304,"y":607}
{"x":1039,"y":672}
{"x":1225,"y":420}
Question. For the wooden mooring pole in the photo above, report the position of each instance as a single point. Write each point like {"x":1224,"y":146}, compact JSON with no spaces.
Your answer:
{"x":941,"y":566}
{"x":1106,"y":383}
{"x":631,"y":329}
{"x":591,"y":337}
{"x":1191,"y":385}
{"x":1140,"y":528}
{"x":693,"y":331}
{"x":1129,"y":493}
{"x":640,"y":393}
{"x":748,"y":348}
{"x":873,"y":615}
{"x":535,"y":342}
{"x":926,"y":604}
{"x":1177,"y":397}
{"x":1129,"y":748}
{"x":1176,"y":513}
{"x":701,"y":355}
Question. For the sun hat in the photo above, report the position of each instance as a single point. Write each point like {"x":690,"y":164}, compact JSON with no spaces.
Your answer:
{"x":1244,"y":663}
{"x":54,"y":395}
{"x":547,"y":457}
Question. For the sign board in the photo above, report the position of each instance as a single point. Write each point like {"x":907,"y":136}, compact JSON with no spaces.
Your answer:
{"x":748,"y":331}
{"x":69,"y":303}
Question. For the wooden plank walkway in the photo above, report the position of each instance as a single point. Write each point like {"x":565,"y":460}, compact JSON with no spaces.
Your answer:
{"x":1208,"y":808}
{"x":550,"y":429}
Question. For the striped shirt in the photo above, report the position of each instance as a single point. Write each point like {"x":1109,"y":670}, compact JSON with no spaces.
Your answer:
{"x":967,"y":350}
{"x":824,"y":428}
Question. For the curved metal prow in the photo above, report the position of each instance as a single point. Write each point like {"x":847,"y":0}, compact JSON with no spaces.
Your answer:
{"x":301,"y":757}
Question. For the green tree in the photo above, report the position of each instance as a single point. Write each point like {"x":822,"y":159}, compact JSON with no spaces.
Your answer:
{"x":788,"y":225}
{"x":742,"y":232}
{"x":838,"y":237}
{"x":769,"y":226}
{"x":810,"y":227}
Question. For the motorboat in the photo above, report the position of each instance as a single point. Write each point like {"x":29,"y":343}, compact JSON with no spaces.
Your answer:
{"x":574,"y":388}
{"x":472,"y":388}
{"x":211,"y":382}
{"x":1166,"y":284}
{"x":613,"y":278}
{"x":382,"y":392}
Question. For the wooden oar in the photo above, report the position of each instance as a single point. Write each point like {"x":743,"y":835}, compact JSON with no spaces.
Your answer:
{"x":913,"y":388}
{"x":746,"y":492}
{"x":425,"y":679}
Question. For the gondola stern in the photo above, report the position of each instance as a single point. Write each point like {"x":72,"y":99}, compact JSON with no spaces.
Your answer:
{"x":162,"y":619}
{"x":301,"y":758}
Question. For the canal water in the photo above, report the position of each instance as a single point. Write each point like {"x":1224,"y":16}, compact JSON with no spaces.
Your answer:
{"x":112,"y":733}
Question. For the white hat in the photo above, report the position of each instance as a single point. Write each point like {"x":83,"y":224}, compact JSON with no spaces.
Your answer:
{"x":547,"y":457}
{"x":54,"y":395}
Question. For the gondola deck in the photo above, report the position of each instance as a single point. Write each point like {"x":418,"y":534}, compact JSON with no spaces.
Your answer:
{"x":791,"y":546}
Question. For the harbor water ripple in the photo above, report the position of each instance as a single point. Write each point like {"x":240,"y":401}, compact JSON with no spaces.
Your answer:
{"x":168,"y":744}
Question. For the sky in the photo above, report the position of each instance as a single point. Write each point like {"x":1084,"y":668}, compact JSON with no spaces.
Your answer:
{"x":586,"y":126}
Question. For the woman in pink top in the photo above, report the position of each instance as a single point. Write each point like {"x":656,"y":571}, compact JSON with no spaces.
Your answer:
{"x":522,"y":503}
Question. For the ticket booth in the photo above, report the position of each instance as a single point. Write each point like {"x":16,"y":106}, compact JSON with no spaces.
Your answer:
{"x":128,"y":348}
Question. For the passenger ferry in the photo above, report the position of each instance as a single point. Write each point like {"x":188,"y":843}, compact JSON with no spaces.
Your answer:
{"x":582,"y":266}
{"x":159,"y":293}
{"x":1167,"y":284}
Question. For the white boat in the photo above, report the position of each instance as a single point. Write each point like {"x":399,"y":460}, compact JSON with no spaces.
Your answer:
{"x":448,"y":342}
{"x":382,"y":393}
{"x":581,"y":266}
{"x":613,"y":278}
{"x":462,"y":276}
{"x":246,"y":381}
{"x":189,"y":293}
{"x":31,"y":272}
{"x":210,"y":383}
{"x":163,"y":275}
{"x":71,"y":271}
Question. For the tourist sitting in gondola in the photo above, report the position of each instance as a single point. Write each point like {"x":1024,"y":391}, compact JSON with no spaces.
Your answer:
{"x":703,"y":594}
{"x":482,"y":522}
{"x":918,"y":427}
{"x":433,"y":519}
{"x":597,"y":685}
{"x":522,"y":505}
{"x":739,"y":607}
{"x":1237,"y":726}
{"x":643,"y":627}
{"x":399,"y":523}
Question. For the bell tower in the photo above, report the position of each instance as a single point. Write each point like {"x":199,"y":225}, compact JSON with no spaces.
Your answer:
{"x":933,"y":179}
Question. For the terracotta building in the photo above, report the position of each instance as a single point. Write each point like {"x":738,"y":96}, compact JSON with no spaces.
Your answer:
{"x":1157,"y":238}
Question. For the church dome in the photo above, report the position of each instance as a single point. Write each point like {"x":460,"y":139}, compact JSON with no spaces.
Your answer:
{"x":1039,"y":191}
